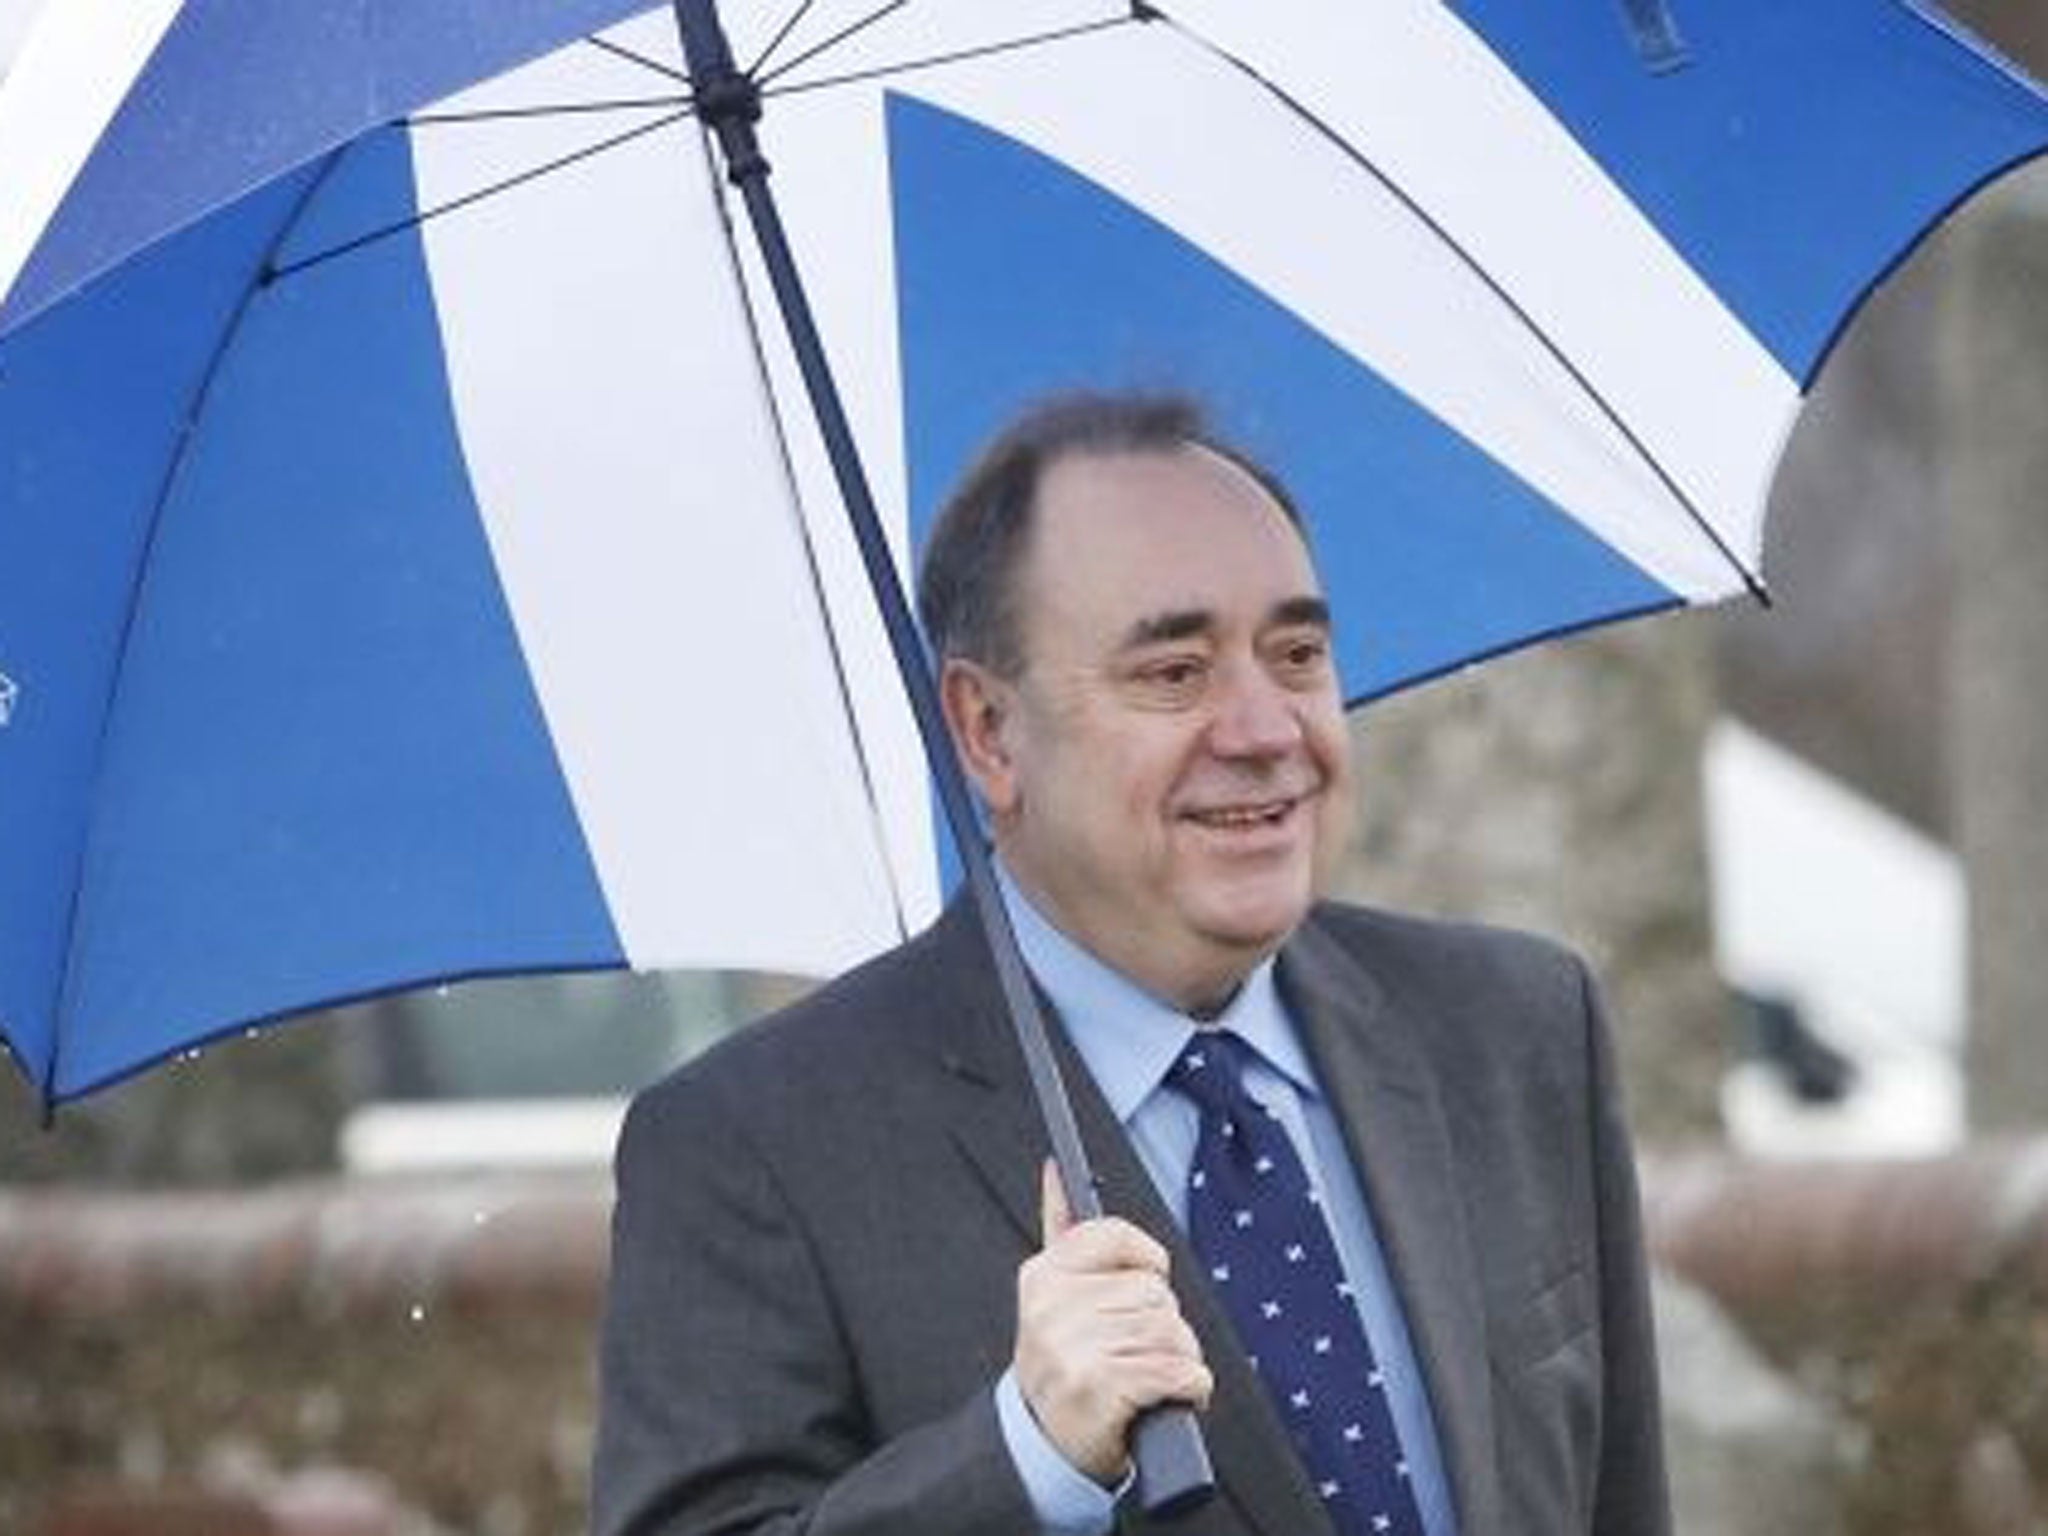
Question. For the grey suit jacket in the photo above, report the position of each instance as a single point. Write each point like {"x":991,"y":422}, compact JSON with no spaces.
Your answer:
{"x":820,"y":1222}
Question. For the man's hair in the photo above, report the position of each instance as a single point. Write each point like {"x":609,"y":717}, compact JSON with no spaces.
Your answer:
{"x":967,"y":584}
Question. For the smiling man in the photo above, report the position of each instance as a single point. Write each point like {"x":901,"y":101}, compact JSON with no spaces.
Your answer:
{"x":1371,"y":1203}
{"x":1165,"y":763}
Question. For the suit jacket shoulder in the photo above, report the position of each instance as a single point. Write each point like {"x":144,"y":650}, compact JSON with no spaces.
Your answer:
{"x":916,"y":1006}
{"x":811,"y":1291}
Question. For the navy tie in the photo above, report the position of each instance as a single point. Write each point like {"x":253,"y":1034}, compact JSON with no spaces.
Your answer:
{"x":1255,"y":1220}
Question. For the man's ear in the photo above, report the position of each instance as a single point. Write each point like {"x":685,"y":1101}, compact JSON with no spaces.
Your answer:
{"x":978,"y":706}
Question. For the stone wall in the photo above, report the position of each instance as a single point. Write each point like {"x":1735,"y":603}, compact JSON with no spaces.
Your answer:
{"x":1909,"y":1301}
{"x":375,"y":1359}
{"x":408,"y":1359}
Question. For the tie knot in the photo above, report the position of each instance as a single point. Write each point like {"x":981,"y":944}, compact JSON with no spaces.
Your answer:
{"x":1210,"y":1070}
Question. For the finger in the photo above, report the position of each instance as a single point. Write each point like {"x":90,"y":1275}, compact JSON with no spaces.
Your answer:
{"x":1160,"y":1332}
{"x":1108,"y":1243}
{"x":1093,"y":1300}
{"x":1084,"y":1388}
{"x":1078,"y":1335}
{"x":1055,"y":1216}
{"x":1128,"y":1293}
{"x":1133,"y":1384}
{"x":1165,"y":1378}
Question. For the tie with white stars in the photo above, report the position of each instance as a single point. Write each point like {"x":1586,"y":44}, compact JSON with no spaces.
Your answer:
{"x":1254,"y":1219}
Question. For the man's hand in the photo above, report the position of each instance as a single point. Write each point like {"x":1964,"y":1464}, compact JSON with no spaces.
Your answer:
{"x":1099,"y":1335}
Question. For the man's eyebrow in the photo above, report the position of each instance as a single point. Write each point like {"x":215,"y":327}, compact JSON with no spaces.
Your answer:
{"x":1301,"y":610}
{"x":1187,"y":623}
{"x":1175,"y":624}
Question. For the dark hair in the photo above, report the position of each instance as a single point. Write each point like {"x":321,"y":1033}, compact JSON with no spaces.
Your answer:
{"x":966,"y":586}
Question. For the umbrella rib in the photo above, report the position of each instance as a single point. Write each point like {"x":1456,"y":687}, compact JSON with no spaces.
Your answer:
{"x":173,"y":468}
{"x":880,"y":13}
{"x":984,"y":50}
{"x":684,"y":109}
{"x":787,"y":463}
{"x":547,"y":109}
{"x":781,"y":36}
{"x":1751,"y":580}
{"x":633,"y":56}
{"x":400,"y":226}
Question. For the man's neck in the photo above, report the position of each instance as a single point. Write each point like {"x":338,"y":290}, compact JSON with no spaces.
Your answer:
{"x":1200,"y":994}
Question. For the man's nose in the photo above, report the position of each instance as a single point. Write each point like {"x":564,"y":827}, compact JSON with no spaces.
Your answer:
{"x":1255,"y":716}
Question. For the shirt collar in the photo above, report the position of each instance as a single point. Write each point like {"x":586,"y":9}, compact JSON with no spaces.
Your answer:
{"x":1129,"y":1037}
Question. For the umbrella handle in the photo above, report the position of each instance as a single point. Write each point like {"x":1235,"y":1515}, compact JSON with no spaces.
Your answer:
{"x":1172,"y":1460}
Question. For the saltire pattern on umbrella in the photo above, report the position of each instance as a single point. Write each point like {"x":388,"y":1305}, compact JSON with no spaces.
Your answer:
{"x":417,"y":564}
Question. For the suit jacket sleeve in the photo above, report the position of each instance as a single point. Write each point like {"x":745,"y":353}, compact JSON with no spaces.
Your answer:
{"x":1631,"y":1498}
{"x":728,"y":1396}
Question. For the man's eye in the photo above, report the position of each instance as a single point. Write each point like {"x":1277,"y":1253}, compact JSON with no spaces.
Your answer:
{"x":1308,"y":652}
{"x":1176,"y":672}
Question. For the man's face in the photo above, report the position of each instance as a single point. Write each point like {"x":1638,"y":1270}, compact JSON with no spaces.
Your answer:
{"x":1169,"y":776}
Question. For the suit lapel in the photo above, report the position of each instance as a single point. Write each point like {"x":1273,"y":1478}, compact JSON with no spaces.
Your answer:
{"x":991,"y":1116}
{"x":997,"y":1128}
{"x":1386,"y":1097}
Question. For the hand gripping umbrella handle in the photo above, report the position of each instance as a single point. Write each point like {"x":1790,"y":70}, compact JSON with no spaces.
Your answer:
{"x":1166,"y":1443}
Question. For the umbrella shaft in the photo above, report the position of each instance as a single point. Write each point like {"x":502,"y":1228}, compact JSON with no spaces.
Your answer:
{"x":728,"y":104}
{"x":1172,"y":1461}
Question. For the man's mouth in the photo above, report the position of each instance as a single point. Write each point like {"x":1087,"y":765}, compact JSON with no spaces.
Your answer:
{"x":1269,"y":813}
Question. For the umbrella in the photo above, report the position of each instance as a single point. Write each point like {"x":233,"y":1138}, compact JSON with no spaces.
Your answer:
{"x":417,"y":562}
{"x":404,"y":490}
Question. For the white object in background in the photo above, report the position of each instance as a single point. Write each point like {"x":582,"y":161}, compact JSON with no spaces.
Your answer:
{"x":442,"y":1135}
{"x":1856,"y":919}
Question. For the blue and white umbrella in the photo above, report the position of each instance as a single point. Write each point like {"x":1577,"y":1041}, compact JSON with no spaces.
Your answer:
{"x":415,"y":560}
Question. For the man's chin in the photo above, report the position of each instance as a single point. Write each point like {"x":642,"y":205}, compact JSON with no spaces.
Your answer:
{"x":1255,"y":927}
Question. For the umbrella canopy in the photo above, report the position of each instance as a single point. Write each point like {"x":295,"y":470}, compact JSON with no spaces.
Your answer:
{"x":418,"y":564}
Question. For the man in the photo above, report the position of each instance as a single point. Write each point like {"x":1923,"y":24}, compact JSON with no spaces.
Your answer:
{"x":845,"y":1297}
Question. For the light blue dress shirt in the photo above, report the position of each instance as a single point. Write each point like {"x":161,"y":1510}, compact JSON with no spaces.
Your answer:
{"x":1129,"y":1039}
